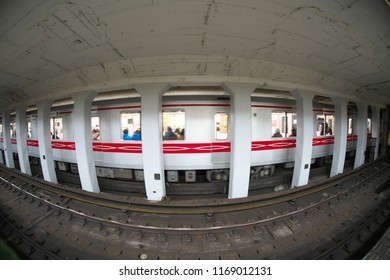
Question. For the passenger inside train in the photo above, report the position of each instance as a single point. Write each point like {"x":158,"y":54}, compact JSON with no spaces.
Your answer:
{"x":293,"y":132}
{"x":169,"y":134}
{"x":181,"y":134}
{"x":55,"y":136}
{"x":95,"y":134}
{"x":277,"y":133}
{"x":136,"y":135}
{"x":126,"y":135}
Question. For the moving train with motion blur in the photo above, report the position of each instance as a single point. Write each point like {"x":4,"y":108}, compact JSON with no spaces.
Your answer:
{"x":195,"y":132}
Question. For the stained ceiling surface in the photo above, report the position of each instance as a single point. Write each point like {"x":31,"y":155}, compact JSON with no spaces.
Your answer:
{"x":56,"y":47}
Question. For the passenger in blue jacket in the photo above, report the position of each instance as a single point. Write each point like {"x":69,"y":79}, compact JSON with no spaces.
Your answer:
{"x":137,"y":135}
{"x":126,"y":135}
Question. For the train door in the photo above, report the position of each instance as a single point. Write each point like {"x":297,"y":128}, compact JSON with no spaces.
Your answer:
{"x":220,"y":137}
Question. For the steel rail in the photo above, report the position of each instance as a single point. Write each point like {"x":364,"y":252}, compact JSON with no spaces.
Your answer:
{"x":351,"y":235}
{"x":198,"y":229}
{"x":165,"y":208}
{"x":30,"y":241}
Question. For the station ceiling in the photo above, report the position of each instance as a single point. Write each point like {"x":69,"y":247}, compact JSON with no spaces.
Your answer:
{"x":52,"y":47}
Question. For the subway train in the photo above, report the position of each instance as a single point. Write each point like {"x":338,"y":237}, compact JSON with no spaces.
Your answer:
{"x":195,"y":132}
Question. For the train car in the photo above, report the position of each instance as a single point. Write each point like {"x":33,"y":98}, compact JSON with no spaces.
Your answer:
{"x":196,"y":136}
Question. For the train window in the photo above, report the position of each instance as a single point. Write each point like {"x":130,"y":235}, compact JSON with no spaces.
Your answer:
{"x":131,"y":125}
{"x":13,"y":129}
{"x":221,"y":126}
{"x":174,"y":125}
{"x":28,"y":129}
{"x":56,"y":128}
{"x":369,"y":125}
{"x":325,"y":124}
{"x":350,"y":125}
{"x":95,"y":126}
{"x":284,"y":124}
{"x":330,"y":121}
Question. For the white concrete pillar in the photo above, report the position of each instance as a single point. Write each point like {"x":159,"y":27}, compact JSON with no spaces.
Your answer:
{"x":375,"y":132}
{"x":152,"y":150}
{"x":44,"y":138}
{"x":240,"y":137}
{"x":9,"y":158}
{"x":1,"y":153}
{"x":340,"y":135}
{"x":1,"y":143}
{"x":362,"y":134}
{"x":83,"y":140}
{"x":21,"y":139}
{"x":385,"y":150}
{"x":304,"y":139}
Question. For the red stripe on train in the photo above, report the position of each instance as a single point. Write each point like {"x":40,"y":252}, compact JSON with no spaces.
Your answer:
{"x":323,"y":141}
{"x":132,"y":148}
{"x":196,"y":148}
{"x":273,"y":144}
{"x":190,"y":148}
{"x":63,"y":145}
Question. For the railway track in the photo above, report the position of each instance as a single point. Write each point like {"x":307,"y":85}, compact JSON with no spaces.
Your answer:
{"x":216,"y":205}
{"x":309,"y":222}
